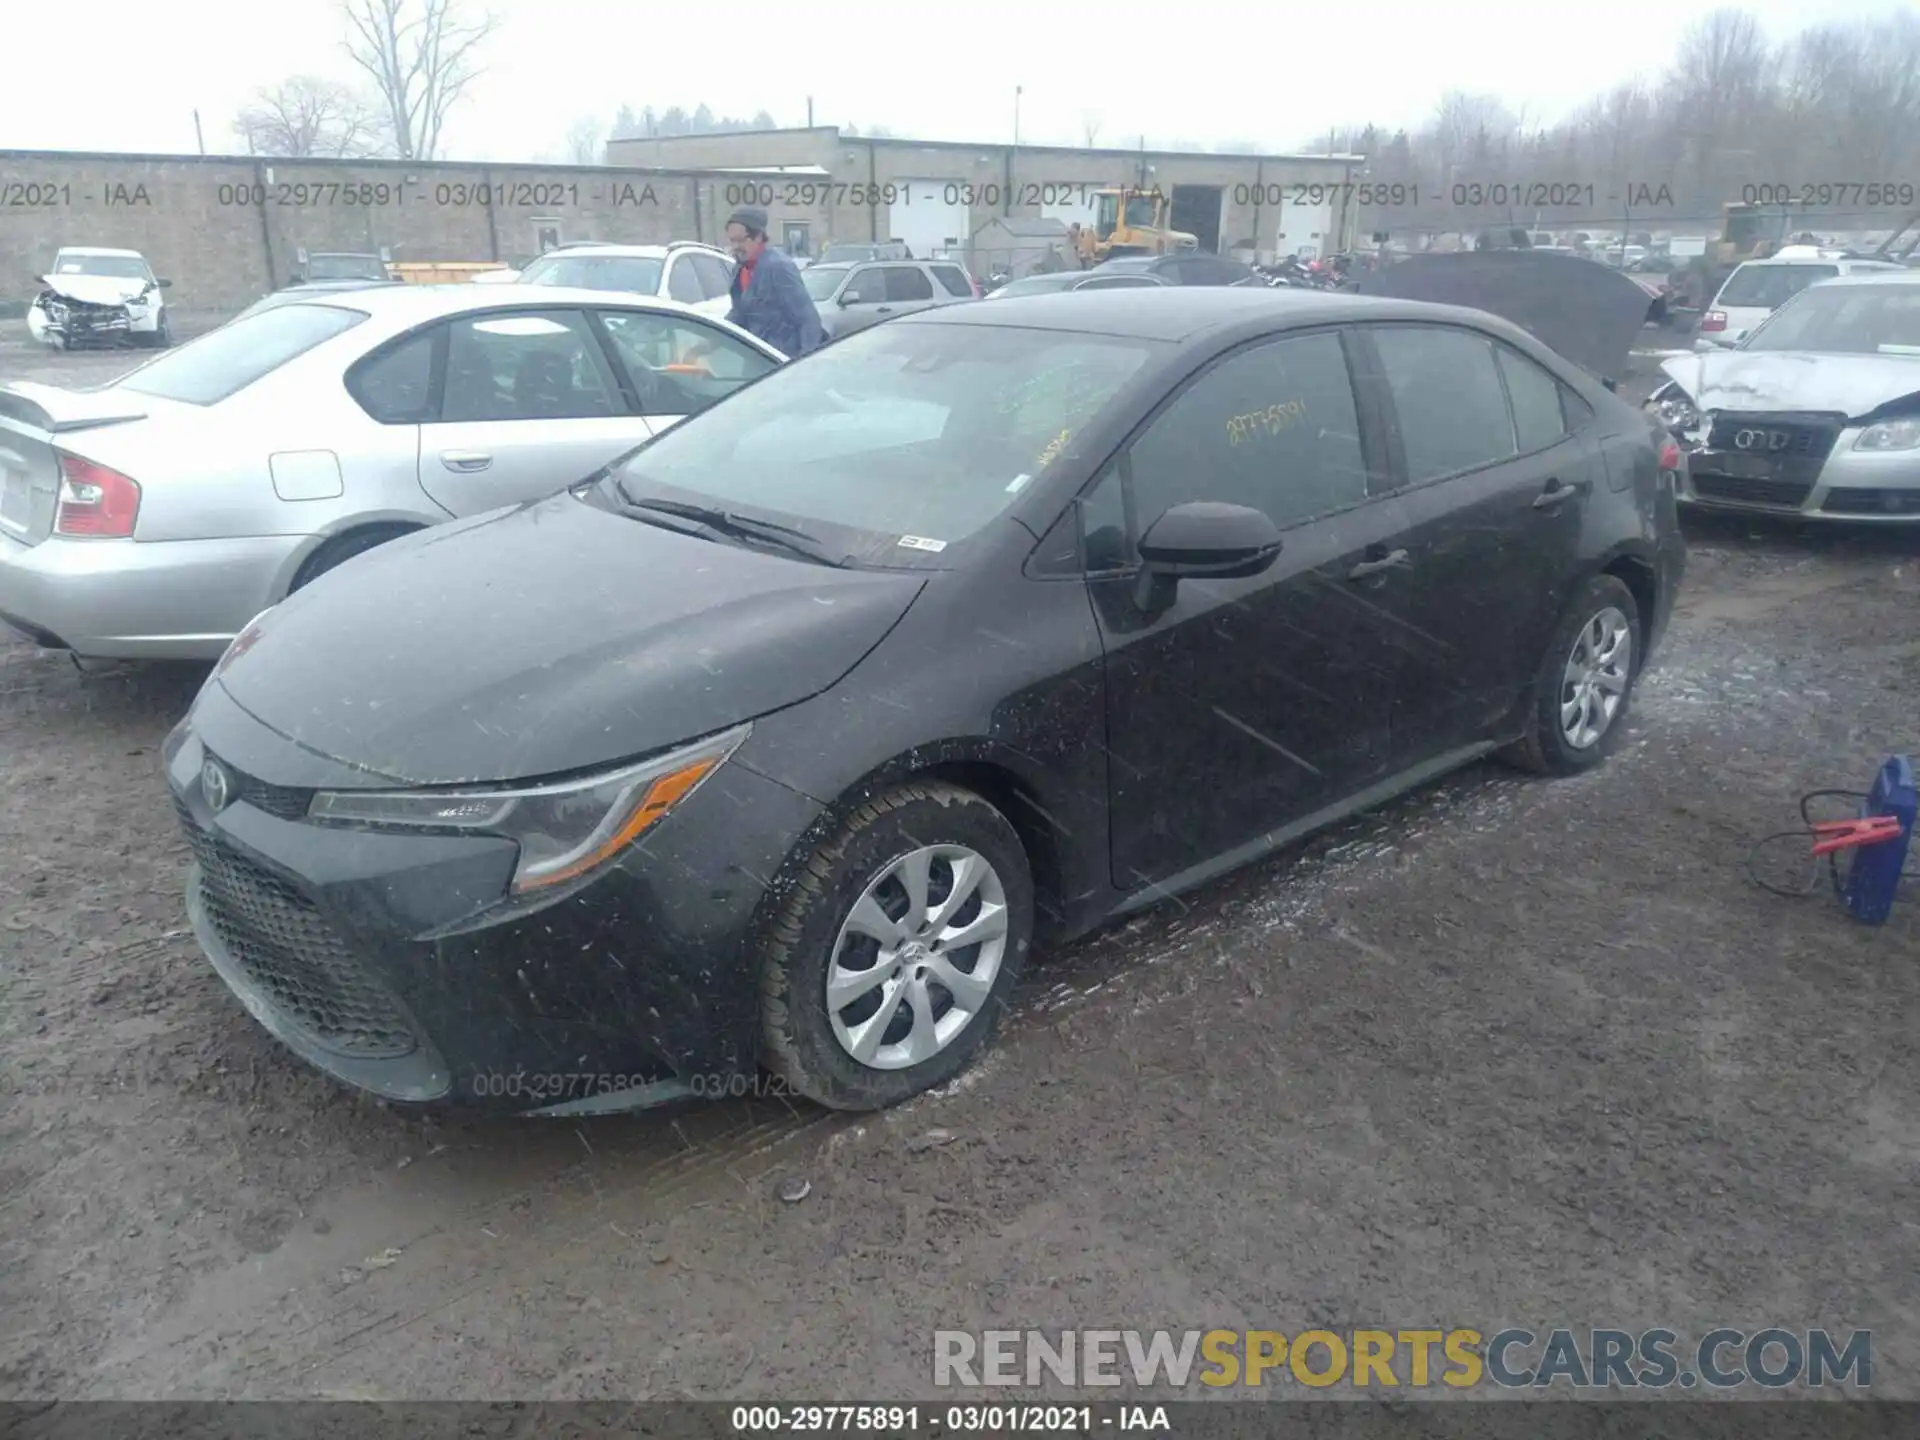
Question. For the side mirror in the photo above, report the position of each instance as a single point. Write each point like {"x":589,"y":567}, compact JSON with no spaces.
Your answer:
{"x":1203,"y":539}
{"x":163,"y":284}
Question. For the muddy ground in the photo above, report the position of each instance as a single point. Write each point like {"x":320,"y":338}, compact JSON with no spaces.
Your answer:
{"x":1507,"y":1052}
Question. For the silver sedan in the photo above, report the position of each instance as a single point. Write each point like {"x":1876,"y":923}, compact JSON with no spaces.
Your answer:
{"x":154,"y":517}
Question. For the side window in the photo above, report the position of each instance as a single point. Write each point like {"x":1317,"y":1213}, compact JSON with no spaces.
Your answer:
{"x":955,"y":282}
{"x":1574,"y":410}
{"x":1538,"y":421}
{"x":1273,"y":428}
{"x":908,"y":282}
{"x":395,"y":386}
{"x":683,"y":284}
{"x":678,"y":366}
{"x":544,"y":366}
{"x":1446,"y":392}
{"x":867,"y":287}
{"x":715,"y":278}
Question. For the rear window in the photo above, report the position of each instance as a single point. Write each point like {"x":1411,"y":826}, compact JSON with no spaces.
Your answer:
{"x":1768,"y":286}
{"x":956,"y":283}
{"x":225,"y":361}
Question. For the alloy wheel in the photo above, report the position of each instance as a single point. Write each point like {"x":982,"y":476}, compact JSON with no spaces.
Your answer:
{"x":916,"y":959}
{"x":1593,"y":686}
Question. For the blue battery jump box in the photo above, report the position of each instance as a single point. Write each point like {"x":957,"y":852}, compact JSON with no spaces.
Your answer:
{"x":1874,"y":872}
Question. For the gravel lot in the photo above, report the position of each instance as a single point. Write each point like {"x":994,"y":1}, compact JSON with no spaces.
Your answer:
{"x":1507,"y":1052}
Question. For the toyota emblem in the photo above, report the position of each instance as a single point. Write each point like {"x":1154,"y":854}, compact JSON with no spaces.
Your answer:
{"x":214,"y":784}
{"x":1761,"y":440}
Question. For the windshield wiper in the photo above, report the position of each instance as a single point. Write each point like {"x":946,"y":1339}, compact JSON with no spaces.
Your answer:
{"x":745,"y":527}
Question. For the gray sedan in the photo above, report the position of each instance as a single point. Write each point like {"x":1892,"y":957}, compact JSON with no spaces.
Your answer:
{"x":1816,"y":413}
{"x":153,"y":518}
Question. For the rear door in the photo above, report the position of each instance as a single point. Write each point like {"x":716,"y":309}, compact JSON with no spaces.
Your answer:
{"x":909,"y":288}
{"x":671,"y":367}
{"x":1494,"y":483}
{"x":529,"y":405}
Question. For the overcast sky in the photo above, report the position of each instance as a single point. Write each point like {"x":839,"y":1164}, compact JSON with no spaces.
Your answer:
{"x":1208,"y":71}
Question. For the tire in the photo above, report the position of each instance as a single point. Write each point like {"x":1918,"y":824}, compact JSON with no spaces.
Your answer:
{"x":162,"y":334}
{"x":801,"y":1036}
{"x":1600,"y":606}
{"x":342,"y":548}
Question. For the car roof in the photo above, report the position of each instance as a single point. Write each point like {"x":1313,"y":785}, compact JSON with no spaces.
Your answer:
{"x":1184,"y":313}
{"x":409,"y":304}
{"x":639,"y":252}
{"x":97,"y":250}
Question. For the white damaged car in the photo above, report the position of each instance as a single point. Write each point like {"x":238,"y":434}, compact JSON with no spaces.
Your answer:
{"x":100,"y":297}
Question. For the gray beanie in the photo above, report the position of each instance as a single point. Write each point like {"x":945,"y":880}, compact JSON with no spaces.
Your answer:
{"x":753,"y":217}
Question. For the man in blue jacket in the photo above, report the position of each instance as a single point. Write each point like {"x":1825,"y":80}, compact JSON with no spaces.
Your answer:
{"x":768,"y":299}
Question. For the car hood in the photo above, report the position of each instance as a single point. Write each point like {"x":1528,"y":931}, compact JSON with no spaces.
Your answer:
{"x":95,"y":289}
{"x":1850,"y":385}
{"x":1589,"y":313}
{"x":548,"y":638}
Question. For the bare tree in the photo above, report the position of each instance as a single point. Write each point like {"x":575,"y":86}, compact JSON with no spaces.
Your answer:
{"x":421,"y":54}
{"x":1090,"y":128}
{"x":307,"y":115}
{"x":586,"y":142}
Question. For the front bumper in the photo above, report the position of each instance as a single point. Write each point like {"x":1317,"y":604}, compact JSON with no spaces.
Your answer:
{"x":143,"y":599}
{"x":1841,"y":485}
{"x":372,"y":956}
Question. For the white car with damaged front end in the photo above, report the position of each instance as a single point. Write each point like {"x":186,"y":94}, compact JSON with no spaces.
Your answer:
{"x":95,"y":296}
{"x":1815,"y":414}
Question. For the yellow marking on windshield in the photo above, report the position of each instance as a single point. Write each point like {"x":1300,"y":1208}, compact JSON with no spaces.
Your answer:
{"x":1054,"y":447}
{"x":1244,"y":429}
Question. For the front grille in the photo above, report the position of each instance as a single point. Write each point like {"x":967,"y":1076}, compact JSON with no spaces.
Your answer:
{"x":285,"y":801}
{"x":1773,"y":437}
{"x":1786,"y":494}
{"x":293,"y":956}
{"x":1872,"y":502}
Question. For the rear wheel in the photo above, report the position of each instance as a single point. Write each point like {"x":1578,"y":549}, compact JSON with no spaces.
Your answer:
{"x":888,"y":968}
{"x":1585,"y":682}
{"x":342,"y":548}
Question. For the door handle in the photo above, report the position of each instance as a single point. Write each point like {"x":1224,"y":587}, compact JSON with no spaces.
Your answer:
{"x":883,"y":310}
{"x":1557,"y":493}
{"x":1396,"y":560}
{"x":465,"y":461}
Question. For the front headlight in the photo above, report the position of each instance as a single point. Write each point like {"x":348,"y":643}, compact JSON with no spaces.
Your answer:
{"x":1674,"y":408}
{"x":1890,"y":435}
{"x":565,"y":831}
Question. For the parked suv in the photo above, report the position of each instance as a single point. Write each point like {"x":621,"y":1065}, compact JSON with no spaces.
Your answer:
{"x":1758,"y":288}
{"x":685,"y":270}
{"x":852,"y":297}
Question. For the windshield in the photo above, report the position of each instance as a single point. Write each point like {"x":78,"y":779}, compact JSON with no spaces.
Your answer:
{"x":1845,"y":320}
{"x":633,"y":273}
{"x":903,"y":438}
{"x":822,"y":280}
{"x":345,"y":267}
{"x":1141,"y":211}
{"x":118,"y":267}
{"x":1758,"y":286}
{"x":223,"y":361}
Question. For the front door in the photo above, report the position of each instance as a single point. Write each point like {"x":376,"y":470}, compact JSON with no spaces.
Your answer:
{"x":1495,"y":487}
{"x":1250,"y":702}
{"x":529,"y":405}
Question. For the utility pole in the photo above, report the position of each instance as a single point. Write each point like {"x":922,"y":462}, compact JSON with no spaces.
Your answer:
{"x":809,"y":112}
{"x":1016,"y":116}
{"x":201,"y":139}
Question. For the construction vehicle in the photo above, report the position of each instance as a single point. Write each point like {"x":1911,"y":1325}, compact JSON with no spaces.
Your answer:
{"x":1747,"y":232}
{"x":1130,"y":221}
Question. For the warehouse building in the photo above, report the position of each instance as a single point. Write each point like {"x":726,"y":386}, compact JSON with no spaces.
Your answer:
{"x":936,"y":196}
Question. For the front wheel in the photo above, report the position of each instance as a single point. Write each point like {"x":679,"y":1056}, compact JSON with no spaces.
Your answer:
{"x":1585,"y":682}
{"x":889,"y":966}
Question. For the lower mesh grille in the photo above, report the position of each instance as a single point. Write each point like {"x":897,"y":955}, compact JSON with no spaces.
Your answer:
{"x":293,"y":956}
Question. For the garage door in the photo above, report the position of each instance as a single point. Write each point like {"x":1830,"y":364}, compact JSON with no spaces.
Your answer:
{"x":931,"y":217}
{"x":1306,"y":230}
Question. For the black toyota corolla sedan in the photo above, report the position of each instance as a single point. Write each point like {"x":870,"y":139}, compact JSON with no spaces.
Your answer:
{"x":781,"y":743}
